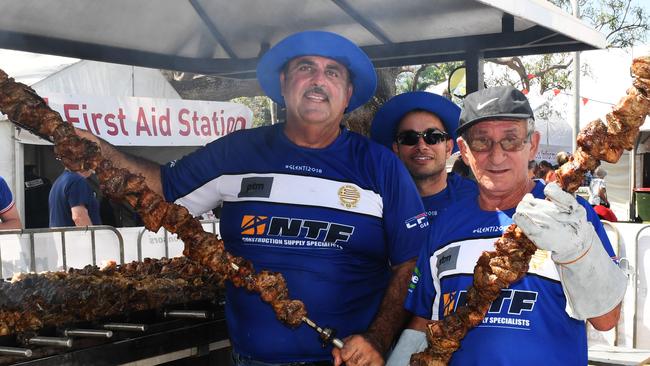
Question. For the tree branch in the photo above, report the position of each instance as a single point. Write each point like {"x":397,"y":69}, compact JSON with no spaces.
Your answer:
{"x":416,"y":76}
{"x":516,"y":65}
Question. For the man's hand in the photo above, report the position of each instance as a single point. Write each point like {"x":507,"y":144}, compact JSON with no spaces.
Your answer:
{"x":558,"y":224}
{"x":592,"y":283}
{"x":357,"y":351}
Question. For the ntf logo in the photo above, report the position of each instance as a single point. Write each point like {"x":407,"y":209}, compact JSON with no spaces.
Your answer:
{"x":253,"y":225}
{"x":330,"y":232}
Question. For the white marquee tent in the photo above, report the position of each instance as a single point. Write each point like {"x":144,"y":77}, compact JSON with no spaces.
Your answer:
{"x":69,"y":77}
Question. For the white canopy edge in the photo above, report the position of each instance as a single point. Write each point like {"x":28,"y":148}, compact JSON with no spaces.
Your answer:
{"x":550,"y":16}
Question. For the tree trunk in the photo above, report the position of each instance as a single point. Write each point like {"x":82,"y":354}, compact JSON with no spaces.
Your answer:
{"x":208,"y":87}
{"x":359,"y":120}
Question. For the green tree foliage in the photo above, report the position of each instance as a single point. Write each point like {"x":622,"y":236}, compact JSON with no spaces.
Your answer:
{"x":261,"y":107}
{"x":421,"y":77}
{"x":623,"y":22}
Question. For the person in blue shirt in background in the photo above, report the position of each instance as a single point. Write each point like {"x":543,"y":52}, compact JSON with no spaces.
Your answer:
{"x":420,"y":127}
{"x":72,"y":202}
{"x":9,"y":217}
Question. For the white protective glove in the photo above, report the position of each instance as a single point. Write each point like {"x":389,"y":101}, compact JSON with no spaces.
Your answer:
{"x":592,"y":283}
{"x":411,"y":341}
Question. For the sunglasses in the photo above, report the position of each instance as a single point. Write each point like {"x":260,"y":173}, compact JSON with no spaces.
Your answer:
{"x":510,"y":144}
{"x":431,"y":136}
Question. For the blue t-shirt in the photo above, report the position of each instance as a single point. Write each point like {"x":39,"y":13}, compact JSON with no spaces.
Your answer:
{"x":457,"y":189}
{"x":332,"y":220}
{"x":6,"y":198}
{"x":69,"y":190}
{"x":527,"y":324}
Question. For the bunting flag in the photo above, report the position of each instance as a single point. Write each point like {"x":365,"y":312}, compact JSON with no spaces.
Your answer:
{"x":557,"y":91}
{"x":531,"y":76}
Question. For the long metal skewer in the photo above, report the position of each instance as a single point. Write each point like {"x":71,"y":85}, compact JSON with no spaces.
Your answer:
{"x":326,"y":334}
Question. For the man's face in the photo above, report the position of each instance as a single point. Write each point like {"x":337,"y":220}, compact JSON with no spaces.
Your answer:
{"x":496,"y":170}
{"x":315,"y":89}
{"x":422,"y":160}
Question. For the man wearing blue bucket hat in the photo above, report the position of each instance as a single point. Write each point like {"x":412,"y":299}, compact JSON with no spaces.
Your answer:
{"x":334,"y":212}
{"x":420,"y":127}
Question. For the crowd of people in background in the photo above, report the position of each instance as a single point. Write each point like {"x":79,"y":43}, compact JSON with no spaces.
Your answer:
{"x":545,"y":171}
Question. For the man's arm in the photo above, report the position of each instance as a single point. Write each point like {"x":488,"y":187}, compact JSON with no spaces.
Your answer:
{"x":10,"y":219}
{"x":418,"y":323}
{"x":369,"y":348}
{"x":80,"y":216}
{"x":602,"y":193}
{"x":136,"y":165}
{"x":606,"y":321}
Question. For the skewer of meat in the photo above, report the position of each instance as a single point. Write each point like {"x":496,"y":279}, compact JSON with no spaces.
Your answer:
{"x":498,"y":269}
{"x":25,"y":108}
{"x":33,"y":301}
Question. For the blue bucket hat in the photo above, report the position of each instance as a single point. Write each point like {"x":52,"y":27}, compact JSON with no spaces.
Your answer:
{"x":388,"y":117}
{"x":324,"y":44}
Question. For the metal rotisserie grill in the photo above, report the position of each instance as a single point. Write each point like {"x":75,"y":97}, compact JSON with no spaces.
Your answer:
{"x":146,"y":336}
{"x":150,"y":337}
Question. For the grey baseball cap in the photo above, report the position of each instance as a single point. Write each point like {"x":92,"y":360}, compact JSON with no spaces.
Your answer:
{"x":499,"y":102}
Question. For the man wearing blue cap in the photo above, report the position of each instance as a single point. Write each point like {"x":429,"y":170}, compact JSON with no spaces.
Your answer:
{"x":570,"y":280}
{"x":335,"y":213}
{"x":420,"y":127}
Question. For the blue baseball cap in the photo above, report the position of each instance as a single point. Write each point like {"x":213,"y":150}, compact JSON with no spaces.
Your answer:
{"x":388,"y":117}
{"x":324,"y":44}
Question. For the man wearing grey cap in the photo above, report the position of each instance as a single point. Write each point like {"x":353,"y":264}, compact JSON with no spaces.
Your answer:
{"x":571,"y":278}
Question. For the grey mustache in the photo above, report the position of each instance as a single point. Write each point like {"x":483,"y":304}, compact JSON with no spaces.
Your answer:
{"x":317,"y":90}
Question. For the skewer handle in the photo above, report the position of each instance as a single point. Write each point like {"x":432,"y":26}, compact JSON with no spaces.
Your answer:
{"x":96,"y":333}
{"x":188,"y":314}
{"x":51,"y":341}
{"x":13,"y":351}
{"x":126,"y":327}
{"x":326,"y":334}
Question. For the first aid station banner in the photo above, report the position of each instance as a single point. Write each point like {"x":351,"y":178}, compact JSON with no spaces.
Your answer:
{"x":137,"y":121}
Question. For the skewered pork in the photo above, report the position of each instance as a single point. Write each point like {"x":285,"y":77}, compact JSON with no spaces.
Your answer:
{"x":25,"y":108}
{"x":509,"y":263}
{"x":33,"y":301}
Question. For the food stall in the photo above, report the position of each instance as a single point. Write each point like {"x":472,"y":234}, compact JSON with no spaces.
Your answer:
{"x":220,"y":38}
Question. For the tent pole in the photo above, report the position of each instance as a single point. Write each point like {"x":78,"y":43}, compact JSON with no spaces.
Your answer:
{"x":576,"y":85}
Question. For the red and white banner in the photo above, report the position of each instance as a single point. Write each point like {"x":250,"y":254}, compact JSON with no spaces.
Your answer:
{"x":136,"y":121}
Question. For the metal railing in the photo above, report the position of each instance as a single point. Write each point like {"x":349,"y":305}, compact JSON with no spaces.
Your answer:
{"x":616,"y":245}
{"x":635,"y":278}
{"x":166,"y":237}
{"x":63,"y":230}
